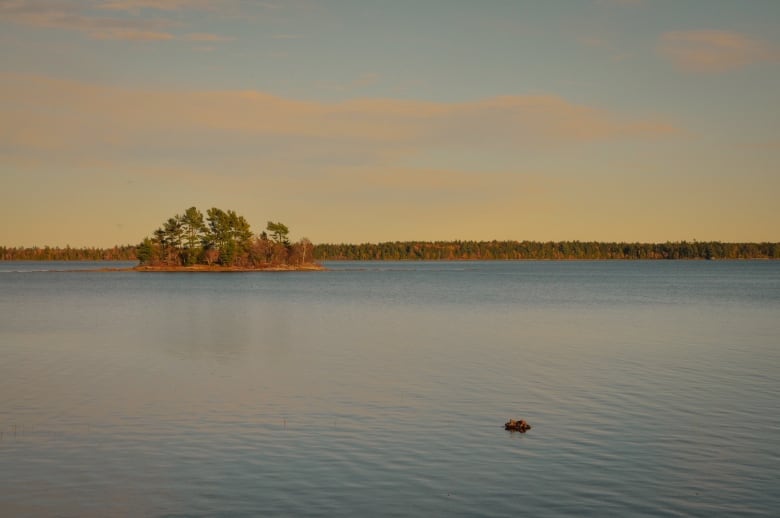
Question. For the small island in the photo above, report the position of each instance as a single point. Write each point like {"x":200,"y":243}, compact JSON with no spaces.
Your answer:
{"x":221,"y":242}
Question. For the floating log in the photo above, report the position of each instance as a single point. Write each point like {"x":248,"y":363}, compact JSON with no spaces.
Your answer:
{"x":517,"y":426}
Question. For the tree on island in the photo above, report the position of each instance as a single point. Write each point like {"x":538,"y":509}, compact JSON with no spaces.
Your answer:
{"x":193,"y":228}
{"x":278,"y":231}
{"x":222,"y":237}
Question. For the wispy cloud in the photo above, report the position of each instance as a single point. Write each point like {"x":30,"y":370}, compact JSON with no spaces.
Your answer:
{"x":78,"y":116}
{"x":74,"y":16}
{"x":708,"y":51}
{"x":204,"y":37}
{"x":773,"y":144}
{"x":162,"y":5}
{"x":130,"y":35}
{"x":116,"y":20}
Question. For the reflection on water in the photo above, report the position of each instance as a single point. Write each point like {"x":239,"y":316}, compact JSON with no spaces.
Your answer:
{"x":382,"y":388}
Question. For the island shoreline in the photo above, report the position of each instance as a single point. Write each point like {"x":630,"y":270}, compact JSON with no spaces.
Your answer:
{"x":198,"y":268}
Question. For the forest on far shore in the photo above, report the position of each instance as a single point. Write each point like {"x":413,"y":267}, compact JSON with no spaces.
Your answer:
{"x":425,"y":250}
{"x":550,"y":250}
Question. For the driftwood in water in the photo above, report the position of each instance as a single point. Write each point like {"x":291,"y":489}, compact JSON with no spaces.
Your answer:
{"x":517,"y":426}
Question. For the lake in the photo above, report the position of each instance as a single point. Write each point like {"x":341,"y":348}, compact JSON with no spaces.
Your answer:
{"x":653,"y":389}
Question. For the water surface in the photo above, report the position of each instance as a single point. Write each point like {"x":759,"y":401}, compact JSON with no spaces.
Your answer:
{"x":381,"y":388}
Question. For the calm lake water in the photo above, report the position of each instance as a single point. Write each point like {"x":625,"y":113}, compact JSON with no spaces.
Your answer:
{"x":653,"y":388}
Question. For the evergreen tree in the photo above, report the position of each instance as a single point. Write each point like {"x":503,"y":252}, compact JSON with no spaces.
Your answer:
{"x":279,"y":232}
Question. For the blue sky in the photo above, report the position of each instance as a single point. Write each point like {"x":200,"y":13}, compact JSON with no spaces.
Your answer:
{"x":367,"y":121}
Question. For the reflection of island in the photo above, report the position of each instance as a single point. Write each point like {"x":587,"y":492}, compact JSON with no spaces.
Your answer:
{"x":222,"y":242}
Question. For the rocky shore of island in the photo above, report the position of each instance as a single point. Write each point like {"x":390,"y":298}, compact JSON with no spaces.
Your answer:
{"x":202,"y":268}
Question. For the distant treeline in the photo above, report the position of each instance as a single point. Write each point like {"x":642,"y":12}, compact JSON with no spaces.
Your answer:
{"x":513,"y":250}
{"x":454,"y":250}
{"x":47,"y":253}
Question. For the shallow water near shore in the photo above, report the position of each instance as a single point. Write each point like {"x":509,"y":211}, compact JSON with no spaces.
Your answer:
{"x":382,"y":389}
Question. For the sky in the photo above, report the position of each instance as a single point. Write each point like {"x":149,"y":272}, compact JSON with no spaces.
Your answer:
{"x":368,"y":121}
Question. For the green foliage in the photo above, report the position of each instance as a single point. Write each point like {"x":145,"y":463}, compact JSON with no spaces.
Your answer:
{"x":278,"y":232}
{"x":193,"y":228}
{"x":229,"y":233}
{"x":146,"y":251}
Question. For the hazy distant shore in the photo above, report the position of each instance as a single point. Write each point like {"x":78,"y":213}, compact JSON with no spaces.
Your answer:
{"x":459,"y":251}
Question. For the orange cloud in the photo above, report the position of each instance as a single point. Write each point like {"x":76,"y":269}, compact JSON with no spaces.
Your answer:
{"x":254,"y":133}
{"x":87,"y":18}
{"x":204,"y":37}
{"x":161,"y":5}
{"x":130,"y":35}
{"x":57,"y":114}
{"x":714,"y":51}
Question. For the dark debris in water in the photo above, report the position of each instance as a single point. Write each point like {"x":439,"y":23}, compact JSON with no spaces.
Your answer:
{"x":517,"y":426}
